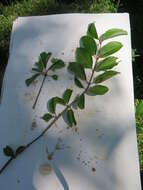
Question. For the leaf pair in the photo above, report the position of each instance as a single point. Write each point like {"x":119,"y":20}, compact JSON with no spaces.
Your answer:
{"x":43,"y":60}
{"x":41,"y":67}
{"x":53,"y":102}
{"x":88,"y":47}
{"x":9,"y":152}
{"x":57,"y":64}
{"x":57,"y":100}
{"x":111,"y":47}
{"x":70,"y":114}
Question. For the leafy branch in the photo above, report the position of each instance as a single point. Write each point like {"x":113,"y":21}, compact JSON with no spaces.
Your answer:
{"x":41,"y":69}
{"x":91,"y":48}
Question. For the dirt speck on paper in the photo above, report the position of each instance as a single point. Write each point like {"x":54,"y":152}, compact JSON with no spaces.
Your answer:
{"x":34,"y":124}
{"x":28,"y":97}
{"x":18,"y":181}
{"x":93,"y":170}
{"x":72,"y":49}
{"x":45,"y":169}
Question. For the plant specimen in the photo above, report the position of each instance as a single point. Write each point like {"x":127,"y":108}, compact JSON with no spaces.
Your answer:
{"x":91,"y":55}
{"x":41,"y":69}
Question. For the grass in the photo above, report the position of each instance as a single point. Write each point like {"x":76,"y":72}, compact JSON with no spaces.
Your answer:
{"x":9,"y":12}
{"x":139,"y":127}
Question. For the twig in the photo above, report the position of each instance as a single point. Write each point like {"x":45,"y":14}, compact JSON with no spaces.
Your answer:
{"x":6,"y":165}
{"x":35,"y":102}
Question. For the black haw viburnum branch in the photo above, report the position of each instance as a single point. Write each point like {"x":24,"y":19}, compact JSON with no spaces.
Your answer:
{"x":53,"y":122}
{"x":40,"y":69}
{"x":78,"y":69}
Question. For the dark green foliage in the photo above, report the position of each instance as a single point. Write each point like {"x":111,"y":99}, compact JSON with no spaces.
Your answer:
{"x":98,"y":90}
{"x":46,"y":117}
{"x":81,"y":101}
{"x":105,"y":76}
{"x":55,"y":77}
{"x":112,"y":33}
{"x":139,"y":108}
{"x":53,"y":102}
{"x":110,"y":48}
{"x":89,"y":44}
{"x":31,"y":79}
{"x":8,"y":151}
{"x":78,"y":83}
{"x":57,"y":64}
{"x":84,"y":58}
{"x":77,"y":70}
{"x":19,"y":150}
{"x":107,"y":63}
{"x":41,"y":67}
{"x":44,"y":58}
{"x":92,"y":31}
{"x":66,"y":96}
{"x":70,"y":117}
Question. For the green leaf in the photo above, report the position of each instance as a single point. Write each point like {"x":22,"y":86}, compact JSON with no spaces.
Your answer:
{"x":46,"y":117}
{"x":8,"y":151}
{"x":36,"y":70}
{"x":84,"y":58}
{"x":31,"y":79}
{"x":53,"y":102}
{"x":39,"y":66}
{"x":81,"y":101}
{"x":112,"y":33}
{"x":52,"y":105}
{"x":57,"y":64}
{"x":78,"y":83}
{"x":19,"y":150}
{"x":44,"y":58}
{"x":59,"y":101}
{"x":71,"y":118}
{"x":55,"y":77}
{"x":98,"y":90}
{"x":92,"y":31}
{"x":105,"y":76}
{"x":77,"y":69}
{"x":66,"y":96}
{"x":107,"y":63}
{"x":89,"y":44}
{"x":139,"y":108}
{"x":110,"y":48}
